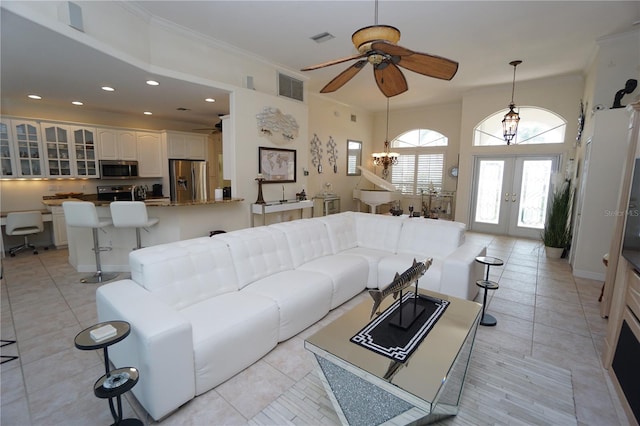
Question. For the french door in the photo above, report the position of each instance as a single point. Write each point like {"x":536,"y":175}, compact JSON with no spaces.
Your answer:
{"x":510,"y":194}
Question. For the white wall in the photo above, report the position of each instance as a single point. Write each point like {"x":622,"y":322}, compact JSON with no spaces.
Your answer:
{"x":558,"y":94}
{"x":330,"y":119}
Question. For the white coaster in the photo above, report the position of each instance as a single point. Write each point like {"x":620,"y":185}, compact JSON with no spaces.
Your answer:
{"x":103,"y":332}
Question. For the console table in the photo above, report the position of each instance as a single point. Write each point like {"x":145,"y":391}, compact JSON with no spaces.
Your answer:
{"x":278,"y":206}
{"x":367,"y":388}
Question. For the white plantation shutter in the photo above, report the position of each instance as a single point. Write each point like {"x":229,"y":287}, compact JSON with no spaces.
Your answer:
{"x":415,"y":171}
{"x":430,"y":170}
{"x":403,"y":174}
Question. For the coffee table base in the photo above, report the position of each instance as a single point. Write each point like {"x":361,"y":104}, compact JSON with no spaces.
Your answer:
{"x":346,"y":389}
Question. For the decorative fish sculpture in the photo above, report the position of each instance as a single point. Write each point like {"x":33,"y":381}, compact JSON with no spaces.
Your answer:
{"x":400,"y":282}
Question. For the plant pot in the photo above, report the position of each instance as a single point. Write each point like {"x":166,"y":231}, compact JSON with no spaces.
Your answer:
{"x":553,"y":252}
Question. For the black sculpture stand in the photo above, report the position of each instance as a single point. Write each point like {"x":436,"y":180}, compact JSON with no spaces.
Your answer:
{"x":407,"y":313}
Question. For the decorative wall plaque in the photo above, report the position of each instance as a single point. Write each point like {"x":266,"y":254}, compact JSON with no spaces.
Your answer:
{"x":279,"y":128}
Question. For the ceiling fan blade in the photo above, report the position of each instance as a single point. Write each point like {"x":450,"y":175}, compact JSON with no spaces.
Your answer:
{"x":391,"y":49}
{"x":342,"y":78}
{"x":430,"y":65}
{"x":390,"y":79}
{"x":334,"y":62}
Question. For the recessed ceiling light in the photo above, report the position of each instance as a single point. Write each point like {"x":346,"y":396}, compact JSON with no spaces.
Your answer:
{"x":148,"y":113}
{"x":108,"y":89}
{"x":209,"y":100}
{"x":77,"y":103}
{"x":34,"y":97}
{"x":152,"y":83}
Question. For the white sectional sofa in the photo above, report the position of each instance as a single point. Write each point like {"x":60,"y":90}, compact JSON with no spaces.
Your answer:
{"x":204,"y":309}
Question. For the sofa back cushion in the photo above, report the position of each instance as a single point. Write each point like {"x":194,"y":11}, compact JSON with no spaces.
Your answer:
{"x":378,"y":231}
{"x":257,"y":252}
{"x":430,"y":237}
{"x":308,"y":239}
{"x":186,"y":272}
{"x":341,"y":228}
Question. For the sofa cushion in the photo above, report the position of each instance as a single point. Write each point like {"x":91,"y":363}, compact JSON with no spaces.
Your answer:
{"x":430,"y":237}
{"x":378,"y":231}
{"x":373,"y":257}
{"x":233,"y":330}
{"x":185,"y":272}
{"x":342,"y":231}
{"x":302,"y":298}
{"x":257,"y":253}
{"x":348,"y":275}
{"x":308,"y":239}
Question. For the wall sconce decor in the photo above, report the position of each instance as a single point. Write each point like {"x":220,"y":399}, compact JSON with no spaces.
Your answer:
{"x":316,"y":153}
{"x":333,"y":154}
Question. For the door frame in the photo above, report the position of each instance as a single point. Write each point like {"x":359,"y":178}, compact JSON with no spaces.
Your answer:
{"x":505,"y":225}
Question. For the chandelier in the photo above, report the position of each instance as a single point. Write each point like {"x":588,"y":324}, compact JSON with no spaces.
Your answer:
{"x":386,"y":158}
{"x":511,"y":119}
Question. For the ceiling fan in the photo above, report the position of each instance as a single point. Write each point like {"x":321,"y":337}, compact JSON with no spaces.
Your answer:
{"x":377,"y":45}
{"x":215,"y":129}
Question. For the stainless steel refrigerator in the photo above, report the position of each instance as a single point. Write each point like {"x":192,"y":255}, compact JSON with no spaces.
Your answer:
{"x":188,"y":180}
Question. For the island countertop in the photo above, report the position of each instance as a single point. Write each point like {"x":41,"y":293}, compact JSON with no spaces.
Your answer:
{"x":150,"y":202}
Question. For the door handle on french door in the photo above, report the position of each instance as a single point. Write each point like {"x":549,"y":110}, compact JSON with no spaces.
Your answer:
{"x":506,"y":196}
{"x":513,"y":197}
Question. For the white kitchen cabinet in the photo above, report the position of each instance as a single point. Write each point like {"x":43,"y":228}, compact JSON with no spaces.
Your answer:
{"x":83,"y":146}
{"x":69,"y":150}
{"x":58,"y":161}
{"x":150,"y":154}
{"x":7,"y":156}
{"x":27,"y":144}
{"x":187,"y":146}
{"x":117,"y":144}
{"x":59,"y":227}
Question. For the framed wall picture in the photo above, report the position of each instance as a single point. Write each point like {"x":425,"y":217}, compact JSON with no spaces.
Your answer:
{"x":277,"y":165}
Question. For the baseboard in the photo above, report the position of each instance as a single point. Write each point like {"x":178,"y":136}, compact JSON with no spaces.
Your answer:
{"x":598,"y":276}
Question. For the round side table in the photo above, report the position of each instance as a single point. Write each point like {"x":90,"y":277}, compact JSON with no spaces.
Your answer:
{"x":116,"y":382}
{"x":489,"y":261}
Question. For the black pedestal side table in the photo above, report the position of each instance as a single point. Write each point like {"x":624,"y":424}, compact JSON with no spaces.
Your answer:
{"x":116,"y":382}
{"x":489,"y":261}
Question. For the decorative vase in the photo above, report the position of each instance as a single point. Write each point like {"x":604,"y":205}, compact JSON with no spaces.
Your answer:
{"x":553,"y":252}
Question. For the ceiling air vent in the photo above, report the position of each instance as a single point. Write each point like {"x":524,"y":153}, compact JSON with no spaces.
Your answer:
{"x":290,"y":87}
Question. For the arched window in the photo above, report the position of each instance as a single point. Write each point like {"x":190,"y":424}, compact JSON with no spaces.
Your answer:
{"x":537,"y":126}
{"x":421,"y":161}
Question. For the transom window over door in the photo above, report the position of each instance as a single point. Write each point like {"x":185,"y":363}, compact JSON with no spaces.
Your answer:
{"x":537,"y":126}
{"x":421,"y":161}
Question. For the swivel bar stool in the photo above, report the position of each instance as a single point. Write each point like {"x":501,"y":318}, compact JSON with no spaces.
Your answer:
{"x":132,"y":214}
{"x":83,"y":214}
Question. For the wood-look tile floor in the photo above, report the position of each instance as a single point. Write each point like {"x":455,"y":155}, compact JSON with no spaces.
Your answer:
{"x":545,"y":316}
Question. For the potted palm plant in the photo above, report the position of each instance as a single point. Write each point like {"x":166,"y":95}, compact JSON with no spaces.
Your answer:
{"x":556,"y":235}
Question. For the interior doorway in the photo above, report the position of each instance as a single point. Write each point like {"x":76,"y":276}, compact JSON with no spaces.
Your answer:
{"x":510,"y":194}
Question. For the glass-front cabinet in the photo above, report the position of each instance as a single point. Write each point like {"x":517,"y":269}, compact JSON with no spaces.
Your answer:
{"x":7,"y":164}
{"x":28,"y":146}
{"x":56,"y":140}
{"x":85,"y":151}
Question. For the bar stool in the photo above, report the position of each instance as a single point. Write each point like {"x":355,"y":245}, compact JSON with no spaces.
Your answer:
{"x":24,"y":224}
{"x":83,"y":214}
{"x":132,"y":214}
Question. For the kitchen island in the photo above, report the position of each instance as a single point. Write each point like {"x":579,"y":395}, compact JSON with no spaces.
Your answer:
{"x":178,"y":221}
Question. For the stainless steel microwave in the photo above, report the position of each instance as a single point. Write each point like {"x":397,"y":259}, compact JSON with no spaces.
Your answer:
{"x":114,"y":169}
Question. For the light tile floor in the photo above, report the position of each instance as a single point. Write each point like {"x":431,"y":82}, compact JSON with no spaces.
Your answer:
{"x":542,"y":311}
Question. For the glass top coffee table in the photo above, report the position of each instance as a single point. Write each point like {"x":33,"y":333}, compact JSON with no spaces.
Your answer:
{"x":367,"y":388}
